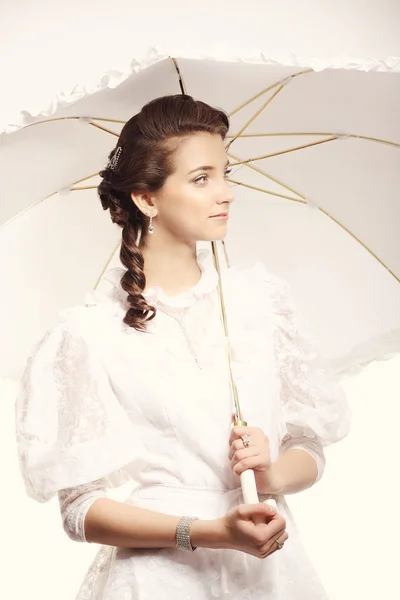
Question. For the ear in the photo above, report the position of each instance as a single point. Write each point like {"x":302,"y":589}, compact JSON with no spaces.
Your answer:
{"x":145,"y":204}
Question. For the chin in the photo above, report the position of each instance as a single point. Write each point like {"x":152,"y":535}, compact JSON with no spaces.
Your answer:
{"x":217,"y":235}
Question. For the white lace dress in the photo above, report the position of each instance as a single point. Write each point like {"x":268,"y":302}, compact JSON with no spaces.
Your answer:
{"x":101,"y":404}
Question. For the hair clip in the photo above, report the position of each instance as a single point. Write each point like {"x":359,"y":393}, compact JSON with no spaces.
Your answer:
{"x":113,"y":162}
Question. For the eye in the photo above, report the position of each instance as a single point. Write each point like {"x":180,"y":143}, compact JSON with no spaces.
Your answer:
{"x":201,"y":180}
{"x":228,"y":171}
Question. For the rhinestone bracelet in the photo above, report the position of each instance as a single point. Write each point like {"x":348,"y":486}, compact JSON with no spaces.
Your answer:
{"x":183,"y":534}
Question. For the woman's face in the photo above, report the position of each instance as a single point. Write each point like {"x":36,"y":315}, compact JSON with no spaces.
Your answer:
{"x":194,"y":202}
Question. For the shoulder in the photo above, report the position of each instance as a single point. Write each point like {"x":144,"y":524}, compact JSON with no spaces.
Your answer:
{"x":256,"y":299}
{"x":80,"y":326}
{"x":257,"y":284}
{"x":103,"y":309}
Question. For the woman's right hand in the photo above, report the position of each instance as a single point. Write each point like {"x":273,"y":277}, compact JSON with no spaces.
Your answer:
{"x":254,"y":529}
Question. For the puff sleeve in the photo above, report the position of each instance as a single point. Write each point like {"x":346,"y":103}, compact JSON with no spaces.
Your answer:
{"x":313,"y":405}
{"x":70,"y":428}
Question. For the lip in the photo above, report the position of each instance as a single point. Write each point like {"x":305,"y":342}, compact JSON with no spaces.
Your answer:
{"x":222,"y":216}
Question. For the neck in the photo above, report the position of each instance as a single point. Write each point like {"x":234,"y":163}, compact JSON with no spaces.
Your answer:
{"x":171,"y":266}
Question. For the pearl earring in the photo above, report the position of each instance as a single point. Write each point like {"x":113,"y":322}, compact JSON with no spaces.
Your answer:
{"x":151,"y":228}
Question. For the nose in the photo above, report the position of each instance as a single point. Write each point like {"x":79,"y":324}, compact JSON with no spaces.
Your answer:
{"x":227,"y":195}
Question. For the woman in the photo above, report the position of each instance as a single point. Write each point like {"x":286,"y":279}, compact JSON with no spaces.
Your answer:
{"x":135,"y":386}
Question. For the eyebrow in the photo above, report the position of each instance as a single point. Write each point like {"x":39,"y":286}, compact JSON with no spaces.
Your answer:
{"x":207,"y":168}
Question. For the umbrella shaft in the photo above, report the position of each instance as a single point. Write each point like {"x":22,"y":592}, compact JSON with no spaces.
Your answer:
{"x":237,"y":409}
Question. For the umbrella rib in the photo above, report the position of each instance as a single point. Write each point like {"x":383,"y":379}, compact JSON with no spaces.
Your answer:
{"x":279,"y":85}
{"x":180,"y":77}
{"x":268,"y":89}
{"x":286,"y":133}
{"x":253,"y":168}
{"x":289,"y":150}
{"x":92,"y":123}
{"x":84,"y":179}
{"x":269,"y":192}
{"x":85,"y":187}
{"x":310,"y":133}
{"x":50,"y":121}
{"x":254,"y":117}
{"x":360,"y":242}
{"x":118,"y":121}
{"x":104,"y":129}
{"x":225,"y":254}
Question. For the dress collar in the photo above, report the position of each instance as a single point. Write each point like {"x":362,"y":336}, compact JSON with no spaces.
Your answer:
{"x":207,"y":283}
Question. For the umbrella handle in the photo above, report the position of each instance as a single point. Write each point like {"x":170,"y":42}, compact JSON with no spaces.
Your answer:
{"x":249,"y":489}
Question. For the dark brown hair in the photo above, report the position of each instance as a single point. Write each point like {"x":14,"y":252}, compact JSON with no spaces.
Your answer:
{"x":144,"y":163}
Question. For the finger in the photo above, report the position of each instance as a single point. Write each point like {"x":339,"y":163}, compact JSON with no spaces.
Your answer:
{"x":248,"y":511}
{"x":272,"y":544}
{"x":275,"y":548}
{"x":243,"y":453}
{"x":251,"y":462}
{"x":236,"y":459}
{"x":271,"y":529}
{"x":272,"y":551}
{"x":241,"y":430}
{"x":262,"y":517}
{"x":236,"y":445}
{"x":235,"y":435}
{"x":237,"y":432}
{"x":265,"y":540}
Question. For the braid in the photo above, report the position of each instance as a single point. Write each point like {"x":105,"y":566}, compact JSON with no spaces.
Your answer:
{"x":134,"y":280}
{"x":122,"y":211}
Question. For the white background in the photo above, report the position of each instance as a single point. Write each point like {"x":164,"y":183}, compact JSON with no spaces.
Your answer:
{"x":349,"y":521}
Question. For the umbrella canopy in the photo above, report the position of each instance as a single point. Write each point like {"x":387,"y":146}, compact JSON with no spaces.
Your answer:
{"x":316,"y":170}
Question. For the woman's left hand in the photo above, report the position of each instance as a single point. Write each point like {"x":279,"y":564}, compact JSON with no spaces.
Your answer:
{"x":256,"y":457}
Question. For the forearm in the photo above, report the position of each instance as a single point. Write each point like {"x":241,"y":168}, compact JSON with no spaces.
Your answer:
{"x":117,"y":524}
{"x":295,"y":470}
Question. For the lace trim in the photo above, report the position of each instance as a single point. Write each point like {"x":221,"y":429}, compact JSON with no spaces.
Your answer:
{"x":74,"y":505}
{"x":314,"y":405}
{"x":153,"y":54}
{"x":312,"y":447}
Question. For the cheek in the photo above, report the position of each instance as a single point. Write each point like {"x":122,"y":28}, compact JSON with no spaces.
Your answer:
{"x":189,"y":208}
{"x":185,"y":210}
{"x":197,"y":198}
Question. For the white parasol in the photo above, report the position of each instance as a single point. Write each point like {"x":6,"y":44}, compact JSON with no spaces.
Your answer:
{"x":316,"y":157}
